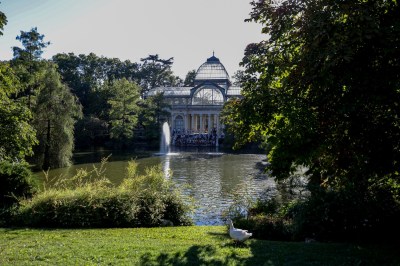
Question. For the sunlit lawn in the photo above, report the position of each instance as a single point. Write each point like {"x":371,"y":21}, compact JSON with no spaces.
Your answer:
{"x":205,"y":245}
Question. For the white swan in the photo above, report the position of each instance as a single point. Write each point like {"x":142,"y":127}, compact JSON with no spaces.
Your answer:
{"x":238,"y":234}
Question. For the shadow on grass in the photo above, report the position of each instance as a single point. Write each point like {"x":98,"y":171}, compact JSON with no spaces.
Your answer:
{"x":195,"y":255}
{"x":275,"y":253}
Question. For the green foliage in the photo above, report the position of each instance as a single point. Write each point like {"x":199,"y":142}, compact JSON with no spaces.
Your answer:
{"x":53,"y":106}
{"x":17,"y":136}
{"x":189,"y":79}
{"x":33,"y":44}
{"x":328,"y":215}
{"x":349,"y":214}
{"x":159,"y":198}
{"x":3,"y":22}
{"x":90,"y":200}
{"x":28,"y":65}
{"x":86,"y":74}
{"x":16,"y":181}
{"x":327,"y":93}
{"x":123,"y":112}
{"x":153,"y":112}
{"x":55,"y":113}
{"x":91,"y":79}
{"x":155,"y":72}
{"x":323,"y":92}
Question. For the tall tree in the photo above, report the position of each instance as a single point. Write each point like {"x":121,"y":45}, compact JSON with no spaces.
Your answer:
{"x":33,"y":44}
{"x":323,"y":90}
{"x":124,"y":109}
{"x":55,"y":113}
{"x":27,"y":62}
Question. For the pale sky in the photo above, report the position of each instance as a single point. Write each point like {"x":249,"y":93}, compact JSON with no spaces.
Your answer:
{"x":188,"y":30}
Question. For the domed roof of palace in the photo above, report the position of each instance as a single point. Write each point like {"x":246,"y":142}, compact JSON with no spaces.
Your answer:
{"x":212,"y":69}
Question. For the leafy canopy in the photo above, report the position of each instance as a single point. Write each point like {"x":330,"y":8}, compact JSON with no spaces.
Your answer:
{"x":124,"y":109}
{"x":323,"y":90}
{"x":17,"y":136}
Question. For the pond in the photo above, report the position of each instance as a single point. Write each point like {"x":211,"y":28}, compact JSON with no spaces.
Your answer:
{"x":214,"y":179}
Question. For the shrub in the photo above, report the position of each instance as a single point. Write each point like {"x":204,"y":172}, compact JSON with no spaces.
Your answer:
{"x":271,"y":227}
{"x":158,"y":197}
{"x":349,"y":215}
{"x":16,"y":181}
{"x":85,"y":207}
{"x":90,"y":200}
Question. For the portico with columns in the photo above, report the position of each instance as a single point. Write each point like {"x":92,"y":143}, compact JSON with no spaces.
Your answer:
{"x":196,"y":122}
{"x":195,"y":111}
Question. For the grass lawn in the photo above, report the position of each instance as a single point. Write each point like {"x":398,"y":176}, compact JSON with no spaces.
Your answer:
{"x":194,"y":245}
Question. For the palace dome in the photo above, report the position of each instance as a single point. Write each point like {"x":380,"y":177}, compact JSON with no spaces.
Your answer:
{"x":212,"y":70}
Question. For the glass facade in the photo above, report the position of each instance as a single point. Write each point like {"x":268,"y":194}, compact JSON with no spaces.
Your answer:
{"x":210,"y":71}
{"x":208,"y":96}
{"x":195,"y":111}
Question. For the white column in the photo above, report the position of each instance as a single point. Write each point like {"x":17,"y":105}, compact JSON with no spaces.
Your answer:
{"x":196,"y":122}
{"x":209,"y":124}
{"x":190,"y":121}
{"x":201,"y":123}
{"x":185,"y":118}
{"x":217,"y":118}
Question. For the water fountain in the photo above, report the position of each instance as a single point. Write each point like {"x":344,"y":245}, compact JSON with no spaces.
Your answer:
{"x":165,"y":139}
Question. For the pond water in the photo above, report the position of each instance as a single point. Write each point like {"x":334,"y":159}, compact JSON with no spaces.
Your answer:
{"x":215,"y":178}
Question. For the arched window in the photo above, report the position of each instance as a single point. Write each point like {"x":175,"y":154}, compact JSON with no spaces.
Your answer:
{"x":208,"y":96}
{"x":179,"y":123}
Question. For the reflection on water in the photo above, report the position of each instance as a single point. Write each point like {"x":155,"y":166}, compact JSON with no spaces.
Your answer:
{"x":212,"y":177}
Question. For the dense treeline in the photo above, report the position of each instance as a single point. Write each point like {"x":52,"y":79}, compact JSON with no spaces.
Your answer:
{"x":111,"y":94}
{"x":78,"y":101}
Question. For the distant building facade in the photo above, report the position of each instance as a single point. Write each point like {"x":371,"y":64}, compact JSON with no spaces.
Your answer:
{"x":195,"y":111}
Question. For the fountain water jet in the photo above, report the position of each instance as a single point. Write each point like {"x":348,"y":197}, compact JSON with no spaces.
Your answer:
{"x":165,"y":139}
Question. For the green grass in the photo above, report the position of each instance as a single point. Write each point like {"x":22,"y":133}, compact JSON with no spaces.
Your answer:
{"x":194,"y":245}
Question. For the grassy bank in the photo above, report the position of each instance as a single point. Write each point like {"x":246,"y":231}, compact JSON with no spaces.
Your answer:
{"x":194,"y":245}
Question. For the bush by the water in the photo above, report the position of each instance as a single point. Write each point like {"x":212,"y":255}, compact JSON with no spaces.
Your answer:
{"x":347,"y":214}
{"x":91,"y":200}
{"x":16,"y":181}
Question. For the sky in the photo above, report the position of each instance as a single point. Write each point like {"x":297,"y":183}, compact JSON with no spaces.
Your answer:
{"x":188,"y":30}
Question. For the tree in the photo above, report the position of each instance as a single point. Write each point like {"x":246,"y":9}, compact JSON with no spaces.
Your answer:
{"x":55,"y":113}
{"x":27,"y":62}
{"x":324,"y":88}
{"x":156,"y":72}
{"x":86,"y":74}
{"x":3,"y":22}
{"x":17,"y":136}
{"x":154,"y":110}
{"x":123,"y":112}
{"x":189,"y":79}
{"x":33,"y":44}
{"x":323,"y":91}
{"x":238,"y":76}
